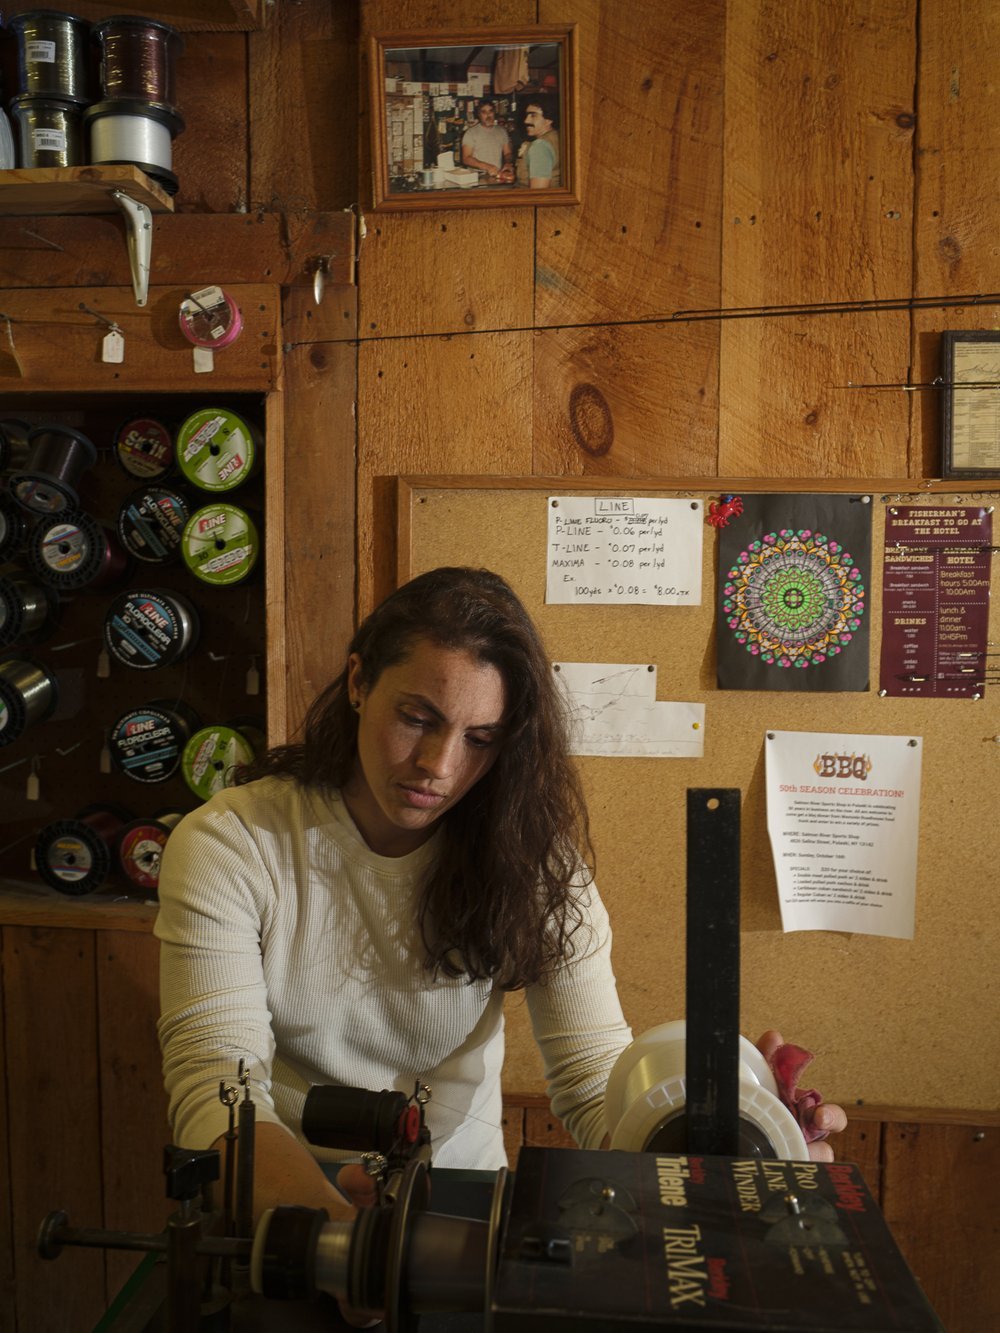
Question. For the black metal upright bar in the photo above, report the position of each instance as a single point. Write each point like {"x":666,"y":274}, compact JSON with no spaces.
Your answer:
{"x":712,"y":1003}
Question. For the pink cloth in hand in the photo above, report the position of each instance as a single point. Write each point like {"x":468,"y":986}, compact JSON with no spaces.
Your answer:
{"x":787,"y":1065}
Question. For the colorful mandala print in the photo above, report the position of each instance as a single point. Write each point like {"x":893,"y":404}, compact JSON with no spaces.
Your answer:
{"x":794,"y":599}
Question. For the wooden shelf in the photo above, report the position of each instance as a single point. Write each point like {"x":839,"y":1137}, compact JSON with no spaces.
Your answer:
{"x":24,"y":903}
{"x":185,"y":15}
{"x":37,"y":190}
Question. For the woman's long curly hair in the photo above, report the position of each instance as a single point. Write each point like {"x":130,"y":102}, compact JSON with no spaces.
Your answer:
{"x":500,"y":901}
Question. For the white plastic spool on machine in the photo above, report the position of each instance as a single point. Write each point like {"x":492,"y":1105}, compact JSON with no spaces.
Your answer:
{"x":646,"y":1093}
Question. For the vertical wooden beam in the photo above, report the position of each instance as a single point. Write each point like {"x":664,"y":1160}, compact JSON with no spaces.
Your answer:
{"x":54,"y":1108}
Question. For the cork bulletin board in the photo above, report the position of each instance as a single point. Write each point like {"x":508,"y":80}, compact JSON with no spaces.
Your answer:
{"x":898,"y":1023}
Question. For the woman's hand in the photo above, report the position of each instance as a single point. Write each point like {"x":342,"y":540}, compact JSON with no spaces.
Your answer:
{"x":825,"y":1117}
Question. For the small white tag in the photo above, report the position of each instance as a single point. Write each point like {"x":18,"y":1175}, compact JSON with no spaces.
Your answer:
{"x":253,"y":678}
{"x":32,"y":863}
{"x":204,"y":360}
{"x":208,"y":297}
{"x":113,"y":347}
{"x":32,"y":790}
{"x":104,"y":763}
{"x":103,"y":665}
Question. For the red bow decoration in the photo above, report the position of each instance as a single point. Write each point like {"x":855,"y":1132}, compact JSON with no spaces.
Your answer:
{"x":787,"y":1065}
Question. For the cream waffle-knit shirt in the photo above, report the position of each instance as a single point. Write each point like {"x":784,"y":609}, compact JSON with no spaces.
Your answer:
{"x":287,"y":942}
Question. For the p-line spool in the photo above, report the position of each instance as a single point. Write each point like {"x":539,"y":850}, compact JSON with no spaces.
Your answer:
{"x":217,"y":449}
{"x":144,"y":447}
{"x":75,"y":551}
{"x":51,"y":54}
{"x":140,"y":847}
{"x":138,"y":59}
{"x":146,"y":743}
{"x":210,"y":318}
{"x":149,"y":628}
{"x":57,"y":458}
{"x":151,"y":523}
{"x":220,"y":544}
{"x":28,"y":694}
{"x":210,"y":758}
{"x":138,"y":133}
{"x":49,"y":132}
{"x":27,"y":609}
{"x":75,"y":856}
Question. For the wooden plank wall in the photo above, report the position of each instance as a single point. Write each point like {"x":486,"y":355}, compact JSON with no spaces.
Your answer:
{"x":734,"y":152}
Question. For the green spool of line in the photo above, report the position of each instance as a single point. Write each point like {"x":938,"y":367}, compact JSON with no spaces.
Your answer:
{"x":210,"y":757}
{"x":217,"y":449}
{"x":220,"y":544}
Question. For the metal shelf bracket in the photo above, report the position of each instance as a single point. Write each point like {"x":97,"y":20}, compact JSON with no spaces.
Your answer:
{"x":139,"y":222}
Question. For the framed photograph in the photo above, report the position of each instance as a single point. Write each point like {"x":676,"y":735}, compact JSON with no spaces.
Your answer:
{"x":480,"y":118}
{"x":970,"y":375}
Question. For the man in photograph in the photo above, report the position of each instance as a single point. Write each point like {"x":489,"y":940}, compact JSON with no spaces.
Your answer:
{"x":486,"y":146}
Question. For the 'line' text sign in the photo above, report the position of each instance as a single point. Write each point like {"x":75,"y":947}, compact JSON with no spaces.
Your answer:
{"x":624,"y":549}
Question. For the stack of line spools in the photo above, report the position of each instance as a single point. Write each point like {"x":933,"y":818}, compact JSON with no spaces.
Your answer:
{"x":135,"y":121}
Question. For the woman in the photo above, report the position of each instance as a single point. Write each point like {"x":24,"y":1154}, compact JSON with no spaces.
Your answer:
{"x":355,"y":909}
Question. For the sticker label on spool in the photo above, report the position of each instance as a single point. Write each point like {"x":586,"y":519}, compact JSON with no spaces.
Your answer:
{"x":48,"y":140}
{"x":145,"y":630}
{"x":37,"y":52}
{"x":216,"y":449}
{"x":220,"y":544}
{"x":144,"y":448}
{"x":140,"y":850}
{"x":146,"y":744}
{"x":151,"y":523}
{"x":42,"y":496}
{"x":4,"y":715}
{"x":209,"y":757}
{"x":64,"y":548}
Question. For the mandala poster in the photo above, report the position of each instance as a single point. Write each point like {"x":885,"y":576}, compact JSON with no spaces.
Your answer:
{"x":794,"y":575}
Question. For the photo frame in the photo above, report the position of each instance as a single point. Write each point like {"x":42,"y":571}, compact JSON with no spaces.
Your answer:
{"x":474,"y":118}
{"x":970,"y":419}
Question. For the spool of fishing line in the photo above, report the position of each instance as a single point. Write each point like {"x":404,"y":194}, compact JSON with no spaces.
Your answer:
{"x":50,"y":132}
{"x":76,"y":855}
{"x":134,"y":132}
{"x":151,"y":523}
{"x":75,"y":551}
{"x":217,"y":450}
{"x":28,"y":694}
{"x":27,"y":610}
{"x":51,"y":54}
{"x":210,"y":758}
{"x":145,"y":448}
{"x":57,"y":458}
{"x":13,"y":444}
{"x":138,"y":59}
{"x":146,"y":743}
{"x":140,"y":849}
{"x":149,"y":628}
{"x":220,"y":544}
{"x":210,"y":318}
{"x":13,"y":525}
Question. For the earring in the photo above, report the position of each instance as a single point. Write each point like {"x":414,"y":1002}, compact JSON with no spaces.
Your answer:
{"x":355,"y":704}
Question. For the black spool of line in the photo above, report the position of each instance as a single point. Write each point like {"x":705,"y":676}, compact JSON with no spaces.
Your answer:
{"x":13,"y":525}
{"x":50,"y":131}
{"x":75,"y":551}
{"x":27,"y":609}
{"x":51,"y":54}
{"x":28,"y":695}
{"x":147,"y":742}
{"x":140,"y":848}
{"x":151,"y":523}
{"x":149,"y":628}
{"x":76,"y":855}
{"x":137,"y":59}
{"x":57,"y":457}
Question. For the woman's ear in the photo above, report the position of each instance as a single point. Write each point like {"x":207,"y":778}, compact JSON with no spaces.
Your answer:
{"x":355,"y":687}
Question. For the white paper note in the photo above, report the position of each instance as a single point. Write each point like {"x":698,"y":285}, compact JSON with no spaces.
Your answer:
{"x":843,"y":816}
{"x":613,"y":711}
{"x":614,"y":549}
